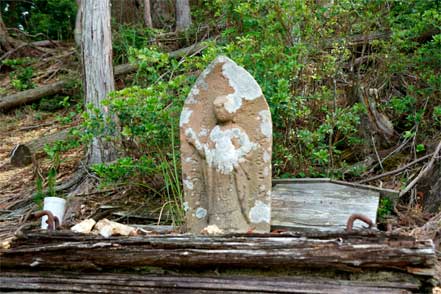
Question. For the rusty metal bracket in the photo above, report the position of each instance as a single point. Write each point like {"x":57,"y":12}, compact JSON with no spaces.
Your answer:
{"x":52,"y":221}
{"x":358,"y":216}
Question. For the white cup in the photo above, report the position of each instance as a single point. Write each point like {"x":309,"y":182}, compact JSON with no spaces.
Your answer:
{"x":55,"y":205}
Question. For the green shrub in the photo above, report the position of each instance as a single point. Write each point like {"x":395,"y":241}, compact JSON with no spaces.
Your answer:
{"x":21,"y":76}
{"x":53,"y":19}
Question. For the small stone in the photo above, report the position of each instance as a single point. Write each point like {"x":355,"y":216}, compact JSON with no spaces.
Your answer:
{"x":107,"y":228}
{"x":84,"y":227}
{"x":211,"y":230}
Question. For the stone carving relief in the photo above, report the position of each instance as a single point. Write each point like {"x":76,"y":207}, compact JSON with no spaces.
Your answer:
{"x":226,"y":141}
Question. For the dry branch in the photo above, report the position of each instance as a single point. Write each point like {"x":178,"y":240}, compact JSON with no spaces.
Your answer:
{"x":423,"y":171}
{"x":396,"y":171}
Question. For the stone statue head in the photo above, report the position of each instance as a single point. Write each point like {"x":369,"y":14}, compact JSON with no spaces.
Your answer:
{"x":220,"y":110}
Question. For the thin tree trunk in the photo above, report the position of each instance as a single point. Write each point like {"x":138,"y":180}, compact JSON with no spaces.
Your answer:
{"x":6,"y":43}
{"x":78,"y":20}
{"x":183,"y":16}
{"x":98,"y":70}
{"x":147,"y":14}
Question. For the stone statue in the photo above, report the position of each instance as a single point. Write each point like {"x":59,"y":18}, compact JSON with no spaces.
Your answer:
{"x":226,"y":140}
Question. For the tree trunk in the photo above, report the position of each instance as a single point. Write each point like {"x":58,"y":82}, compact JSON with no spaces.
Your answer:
{"x":147,"y":14}
{"x":127,"y":11}
{"x":183,"y":16}
{"x":430,"y":188}
{"x":78,"y":20}
{"x":98,"y":70}
{"x":163,"y":14}
{"x":6,"y":42}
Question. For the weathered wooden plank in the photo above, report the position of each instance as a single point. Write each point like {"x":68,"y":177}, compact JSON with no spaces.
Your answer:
{"x":348,"y":252}
{"x":389,"y":193}
{"x":131,"y":283}
{"x":300,"y":180}
{"x":321,"y":205}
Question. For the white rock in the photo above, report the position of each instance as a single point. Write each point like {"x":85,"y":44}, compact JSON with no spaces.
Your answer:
{"x":212,"y":230}
{"x":107,"y":228}
{"x":84,"y":227}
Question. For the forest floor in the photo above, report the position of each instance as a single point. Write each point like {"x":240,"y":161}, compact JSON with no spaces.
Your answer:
{"x":18,"y":184}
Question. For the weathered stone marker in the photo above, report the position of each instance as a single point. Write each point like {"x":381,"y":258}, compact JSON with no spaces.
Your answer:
{"x":226,"y":145}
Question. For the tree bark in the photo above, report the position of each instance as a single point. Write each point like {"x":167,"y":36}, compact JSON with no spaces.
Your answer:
{"x":430,"y":187}
{"x":147,"y":14}
{"x":6,"y":43}
{"x":183,"y":15}
{"x":78,"y":20}
{"x":127,"y":11}
{"x":98,"y":70}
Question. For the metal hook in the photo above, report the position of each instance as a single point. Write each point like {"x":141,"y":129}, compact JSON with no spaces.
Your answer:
{"x":52,"y":221}
{"x":358,"y":216}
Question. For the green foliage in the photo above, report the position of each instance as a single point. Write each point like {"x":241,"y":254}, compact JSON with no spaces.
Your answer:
{"x":420,"y":148}
{"x":53,"y":19}
{"x":126,"y":38}
{"x":437,"y":115}
{"x":54,"y":153}
{"x":39,"y":195}
{"x":385,"y":208}
{"x":21,"y":76}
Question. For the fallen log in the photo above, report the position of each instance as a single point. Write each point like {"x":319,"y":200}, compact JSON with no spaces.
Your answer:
{"x":343,"y":251}
{"x":22,"y":153}
{"x":29,"y":96}
{"x":43,"y":282}
{"x":18,"y":99}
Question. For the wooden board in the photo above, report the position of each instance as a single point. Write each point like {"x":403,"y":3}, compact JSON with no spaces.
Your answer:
{"x":320,"y":204}
{"x":43,"y":282}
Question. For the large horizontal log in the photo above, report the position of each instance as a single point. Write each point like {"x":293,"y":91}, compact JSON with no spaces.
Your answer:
{"x":29,"y":96}
{"x":22,"y":153}
{"x":42,"y":282}
{"x":337,"y":251}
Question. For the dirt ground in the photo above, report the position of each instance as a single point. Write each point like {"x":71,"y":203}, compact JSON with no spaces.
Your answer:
{"x":18,"y":183}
